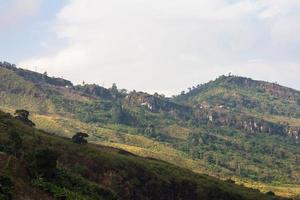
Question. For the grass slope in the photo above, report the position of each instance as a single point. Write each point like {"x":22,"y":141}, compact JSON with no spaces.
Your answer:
{"x":97,"y":172}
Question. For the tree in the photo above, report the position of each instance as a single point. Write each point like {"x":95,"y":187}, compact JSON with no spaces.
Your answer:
{"x":123,"y":92}
{"x":114,"y":87}
{"x":114,"y":90}
{"x":23,"y":115}
{"x":79,"y":138}
{"x":150,"y":130}
{"x":271,"y":193}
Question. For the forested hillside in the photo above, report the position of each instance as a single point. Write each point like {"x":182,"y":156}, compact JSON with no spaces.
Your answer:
{"x":232,"y":127}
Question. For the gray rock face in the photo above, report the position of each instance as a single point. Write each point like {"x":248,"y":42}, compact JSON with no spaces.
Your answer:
{"x":252,"y":125}
{"x":154,"y":103}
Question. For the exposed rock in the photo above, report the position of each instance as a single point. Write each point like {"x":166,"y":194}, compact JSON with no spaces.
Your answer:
{"x":252,"y":125}
{"x":154,"y":103}
{"x":95,"y":90}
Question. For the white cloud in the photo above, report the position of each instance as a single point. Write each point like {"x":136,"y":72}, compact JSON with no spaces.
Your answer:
{"x":16,"y":10}
{"x":168,"y":45}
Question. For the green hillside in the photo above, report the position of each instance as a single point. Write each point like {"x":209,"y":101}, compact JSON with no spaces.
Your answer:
{"x":232,"y":127}
{"x":245,"y":94}
{"x":37,"y":165}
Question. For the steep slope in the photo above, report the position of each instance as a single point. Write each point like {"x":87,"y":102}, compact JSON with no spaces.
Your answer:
{"x":45,"y":166}
{"x":225,"y":128}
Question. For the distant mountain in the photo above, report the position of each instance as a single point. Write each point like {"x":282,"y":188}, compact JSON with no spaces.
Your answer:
{"x":241,"y":93}
{"x":251,"y":105}
{"x":231,"y":127}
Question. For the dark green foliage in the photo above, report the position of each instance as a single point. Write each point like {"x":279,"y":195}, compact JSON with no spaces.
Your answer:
{"x":68,"y":186}
{"x":270,"y":193}
{"x":121,"y":115}
{"x":229,"y":149}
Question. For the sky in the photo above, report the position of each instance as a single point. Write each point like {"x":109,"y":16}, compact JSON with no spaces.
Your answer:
{"x":162,"y":46}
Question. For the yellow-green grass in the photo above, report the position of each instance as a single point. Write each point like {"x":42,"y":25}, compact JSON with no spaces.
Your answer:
{"x":280,"y":190}
{"x":176,"y":131}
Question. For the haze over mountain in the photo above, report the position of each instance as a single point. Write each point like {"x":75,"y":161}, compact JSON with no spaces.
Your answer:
{"x":232,"y":127}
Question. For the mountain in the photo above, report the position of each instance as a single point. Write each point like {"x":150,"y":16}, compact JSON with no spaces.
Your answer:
{"x":232,"y":127}
{"x":270,"y":107}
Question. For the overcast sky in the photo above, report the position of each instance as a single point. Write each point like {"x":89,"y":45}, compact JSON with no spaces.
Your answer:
{"x":160,"y":46}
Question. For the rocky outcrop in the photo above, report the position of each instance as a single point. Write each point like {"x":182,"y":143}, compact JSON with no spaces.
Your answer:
{"x":155,"y":103}
{"x":95,"y":90}
{"x":252,"y":125}
{"x":293,"y":132}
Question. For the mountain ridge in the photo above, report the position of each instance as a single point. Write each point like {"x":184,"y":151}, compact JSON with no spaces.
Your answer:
{"x":231,"y":127}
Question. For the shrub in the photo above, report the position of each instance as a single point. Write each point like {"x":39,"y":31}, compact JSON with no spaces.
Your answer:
{"x":79,"y":138}
{"x":271,"y":193}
